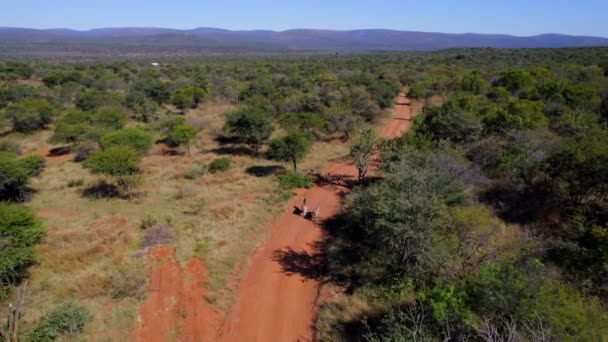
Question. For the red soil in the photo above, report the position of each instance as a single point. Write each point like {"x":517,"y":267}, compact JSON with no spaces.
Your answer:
{"x":175,"y":309}
{"x":277,"y":298}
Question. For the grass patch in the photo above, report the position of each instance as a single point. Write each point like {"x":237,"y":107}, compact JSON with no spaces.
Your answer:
{"x":220,"y":165}
{"x":294,"y":181}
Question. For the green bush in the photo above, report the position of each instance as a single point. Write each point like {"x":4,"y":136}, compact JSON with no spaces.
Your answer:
{"x":75,"y":183}
{"x":30,"y":115}
{"x":65,"y":319}
{"x":33,"y":164}
{"x":110,"y":117}
{"x":147,"y":222}
{"x":135,"y":138}
{"x":115,"y":161}
{"x":251,"y":126}
{"x":220,"y":165}
{"x":294,"y":181}
{"x":20,"y":230}
{"x":15,"y":174}
{"x":10,"y":146}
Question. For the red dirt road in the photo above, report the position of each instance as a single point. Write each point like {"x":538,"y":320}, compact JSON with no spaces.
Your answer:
{"x":175,"y":309}
{"x":277,"y":299}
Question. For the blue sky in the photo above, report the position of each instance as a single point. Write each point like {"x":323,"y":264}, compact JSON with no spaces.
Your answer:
{"x":520,"y":17}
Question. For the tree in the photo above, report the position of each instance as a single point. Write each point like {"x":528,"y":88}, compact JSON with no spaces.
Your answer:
{"x":398,"y":221}
{"x":313,"y":123}
{"x":362,"y":151}
{"x":196,"y":94}
{"x":110,"y":117}
{"x":140,"y":104}
{"x":250,"y":126}
{"x":30,"y":115}
{"x":15,"y":174}
{"x":72,"y":134}
{"x":115,"y":161}
{"x":473,"y":83}
{"x":182,"y":134}
{"x":182,"y":101}
{"x":340,"y":119}
{"x":451,"y":123}
{"x":518,"y":114}
{"x":20,"y":231}
{"x":135,"y":138}
{"x":292,"y":148}
{"x":604,"y":109}
{"x":92,"y":99}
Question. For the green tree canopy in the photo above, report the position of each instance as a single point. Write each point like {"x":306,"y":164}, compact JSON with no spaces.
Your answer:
{"x":15,"y":173}
{"x":20,"y":230}
{"x":181,"y":133}
{"x":30,"y":115}
{"x":361,"y":152}
{"x":135,"y":138}
{"x":251,"y":126}
{"x":114,"y":161}
{"x":292,"y":147}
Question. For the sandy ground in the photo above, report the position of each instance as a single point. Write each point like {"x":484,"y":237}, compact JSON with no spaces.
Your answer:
{"x":277,"y":298}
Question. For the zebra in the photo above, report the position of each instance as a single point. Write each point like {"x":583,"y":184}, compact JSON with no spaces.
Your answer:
{"x":316,"y":213}
{"x":304,"y":209}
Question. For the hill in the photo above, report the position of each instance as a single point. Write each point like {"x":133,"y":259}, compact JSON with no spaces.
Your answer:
{"x":120,"y":41}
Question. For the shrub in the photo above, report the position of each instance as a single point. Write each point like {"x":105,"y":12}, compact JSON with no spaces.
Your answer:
{"x":195,"y":172}
{"x":178,"y":132}
{"x":10,"y":146}
{"x":202,"y":246}
{"x":251,"y":126}
{"x":75,"y":183}
{"x":65,"y":319}
{"x":15,"y":174}
{"x":158,"y":234}
{"x":293,"y":181}
{"x":20,"y":230}
{"x":147,"y":222}
{"x":30,"y":115}
{"x":130,"y":282}
{"x":115,"y":161}
{"x":33,"y":164}
{"x":92,"y":99}
{"x":135,"y":138}
{"x":220,"y":165}
{"x":110,"y":117}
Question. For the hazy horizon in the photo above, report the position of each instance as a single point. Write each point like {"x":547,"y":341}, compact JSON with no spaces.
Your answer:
{"x":295,"y":28}
{"x":519,"y":18}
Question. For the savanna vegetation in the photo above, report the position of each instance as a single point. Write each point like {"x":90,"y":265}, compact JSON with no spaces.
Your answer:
{"x":101,"y":161}
{"x":487,"y":222}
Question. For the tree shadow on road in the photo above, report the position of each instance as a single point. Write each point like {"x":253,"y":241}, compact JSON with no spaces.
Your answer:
{"x":311,"y":266}
{"x":323,"y":263}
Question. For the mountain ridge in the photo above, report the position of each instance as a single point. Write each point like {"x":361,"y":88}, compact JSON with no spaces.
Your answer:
{"x":120,"y":40}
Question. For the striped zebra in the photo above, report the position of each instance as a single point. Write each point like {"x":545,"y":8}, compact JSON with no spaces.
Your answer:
{"x":316,"y":213}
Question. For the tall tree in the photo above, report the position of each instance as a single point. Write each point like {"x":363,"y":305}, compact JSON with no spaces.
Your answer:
{"x":362,"y":151}
{"x":292,"y":147}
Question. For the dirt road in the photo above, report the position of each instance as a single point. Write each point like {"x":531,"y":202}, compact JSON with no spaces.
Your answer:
{"x":277,"y":297}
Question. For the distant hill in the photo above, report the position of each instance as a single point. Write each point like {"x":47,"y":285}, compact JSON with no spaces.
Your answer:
{"x":161,"y":40}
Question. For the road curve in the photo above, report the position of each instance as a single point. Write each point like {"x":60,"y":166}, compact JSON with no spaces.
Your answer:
{"x":276,"y":299}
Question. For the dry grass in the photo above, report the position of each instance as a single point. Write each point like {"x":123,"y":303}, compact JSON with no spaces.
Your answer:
{"x":88,"y":240}
{"x":221,"y":217}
